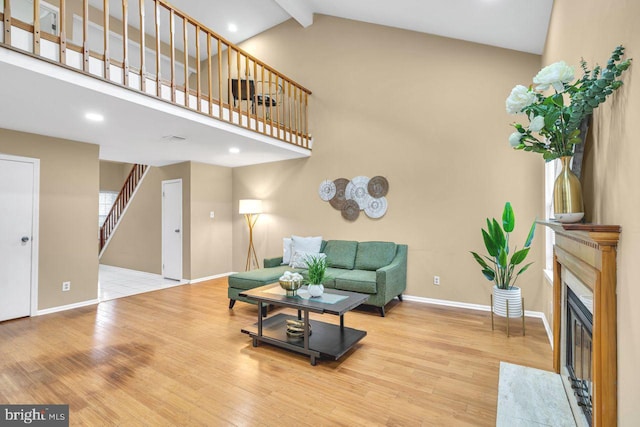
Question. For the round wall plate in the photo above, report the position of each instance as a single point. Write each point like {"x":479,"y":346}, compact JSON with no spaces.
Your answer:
{"x":350,"y":210}
{"x":327,"y":190}
{"x":339,"y":199}
{"x":357,"y":190}
{"x":376,"y":207}
{"x":378,"y":186}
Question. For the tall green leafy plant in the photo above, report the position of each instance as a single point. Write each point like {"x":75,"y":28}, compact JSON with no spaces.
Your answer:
{"x":501,"y":266}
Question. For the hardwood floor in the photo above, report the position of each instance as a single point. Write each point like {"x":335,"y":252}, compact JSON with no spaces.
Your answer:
{"x":177,"y":357}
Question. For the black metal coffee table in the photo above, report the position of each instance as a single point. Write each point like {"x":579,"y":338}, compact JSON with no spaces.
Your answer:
{"x":325,"y":340}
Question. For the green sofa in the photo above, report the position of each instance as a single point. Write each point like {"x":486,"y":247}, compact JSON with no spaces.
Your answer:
{"x":378,"y":269}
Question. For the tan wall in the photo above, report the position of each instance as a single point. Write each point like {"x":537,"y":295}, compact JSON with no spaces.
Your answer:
{"x":582,"y":29}
{"x":137,"y":243}
{"x":426,"y":112}
{"x":68,"y":242}
{"x":113,"y":175}
{"x":210,"y":238}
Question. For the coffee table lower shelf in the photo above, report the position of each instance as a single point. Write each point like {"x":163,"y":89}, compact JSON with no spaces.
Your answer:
{"x":326,"y":340}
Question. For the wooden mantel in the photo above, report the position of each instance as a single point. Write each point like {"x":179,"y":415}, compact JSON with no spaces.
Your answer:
{"x":588,"y":251}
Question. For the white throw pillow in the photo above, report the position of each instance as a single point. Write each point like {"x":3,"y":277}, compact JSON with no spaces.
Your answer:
{"x":299,"y":258}
{"x":286,"y":250}
{"x":306,"y":244}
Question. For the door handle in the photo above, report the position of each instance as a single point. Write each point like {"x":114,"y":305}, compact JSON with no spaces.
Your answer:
{"x":25,"y":239}
{"x":177,"y":230}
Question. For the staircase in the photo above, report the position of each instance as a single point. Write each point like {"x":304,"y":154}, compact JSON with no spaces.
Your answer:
{"x":126,"y":193}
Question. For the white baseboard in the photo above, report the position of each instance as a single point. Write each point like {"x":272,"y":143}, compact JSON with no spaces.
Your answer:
{"x":480,"y":307}
{"x":448,"y":303}
{"x":67,"y":307}
{"x":96,"y":301}
{"x":547,"y":327}
{"x":204,"y":279}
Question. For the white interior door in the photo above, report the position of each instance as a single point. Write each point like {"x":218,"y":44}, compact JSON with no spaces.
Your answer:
{"x":18,"y":196}
{"x":172,"y":229}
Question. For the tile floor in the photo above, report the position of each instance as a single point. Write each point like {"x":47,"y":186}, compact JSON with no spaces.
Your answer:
{"x":116,"y":282}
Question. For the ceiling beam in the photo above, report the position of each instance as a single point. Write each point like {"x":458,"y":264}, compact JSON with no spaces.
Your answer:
{"x":300,"y":10}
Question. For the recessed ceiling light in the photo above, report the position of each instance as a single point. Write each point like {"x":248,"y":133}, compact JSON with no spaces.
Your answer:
{"x":94,"y":117}
{"x":233,"y":28}
{"x":234,"y":150}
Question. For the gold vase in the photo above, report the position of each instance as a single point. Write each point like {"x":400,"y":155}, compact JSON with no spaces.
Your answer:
{"x":567,"y":195}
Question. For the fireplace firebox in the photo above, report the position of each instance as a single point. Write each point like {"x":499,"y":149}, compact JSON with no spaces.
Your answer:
{"x":579,"y":356}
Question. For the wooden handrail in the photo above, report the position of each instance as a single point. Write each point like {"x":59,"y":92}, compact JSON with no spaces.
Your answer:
{"x":123,"y":198}
{"x":227,"y":42}
{"x":268,"y":102}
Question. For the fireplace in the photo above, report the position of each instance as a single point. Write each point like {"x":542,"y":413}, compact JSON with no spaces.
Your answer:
{"x":579,"y":352}
{"x":584,"y":319}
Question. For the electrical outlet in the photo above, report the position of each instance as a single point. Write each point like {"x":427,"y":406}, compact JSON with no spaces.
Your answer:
{"x":66,"y":286}
{"x":436,"y":280}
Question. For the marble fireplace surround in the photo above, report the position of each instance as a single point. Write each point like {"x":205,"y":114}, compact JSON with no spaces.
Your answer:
{"x":586,"y":254}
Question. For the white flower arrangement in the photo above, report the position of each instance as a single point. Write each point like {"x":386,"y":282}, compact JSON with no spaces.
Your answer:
{"x":558,"y":125}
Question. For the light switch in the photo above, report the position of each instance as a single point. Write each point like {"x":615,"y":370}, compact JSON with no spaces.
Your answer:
{"x":212,"y":215}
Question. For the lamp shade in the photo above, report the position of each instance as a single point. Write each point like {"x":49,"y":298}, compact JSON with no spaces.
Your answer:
{"x":250,"y":206}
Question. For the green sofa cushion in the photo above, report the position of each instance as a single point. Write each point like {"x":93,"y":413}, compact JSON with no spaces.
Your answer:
{"x":341,"y":253}
{"x":374,"y":255}
{"x":329,"y":280}
{"x":361,"y":281}
{"x":262,"y":276}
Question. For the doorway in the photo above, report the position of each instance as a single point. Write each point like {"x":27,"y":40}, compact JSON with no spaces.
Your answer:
{"x":19,"y":195}
{"x":172,"y":229}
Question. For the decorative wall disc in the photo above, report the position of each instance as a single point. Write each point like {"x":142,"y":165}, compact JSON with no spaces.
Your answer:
{"x":339,"y":199}
{"x":376,"y":207}
{"x":378,"y":186}
{"x":350,"y":210}
{"x":359,"y":194}
{"x":327,"y":190}
{"x":357,"y":190}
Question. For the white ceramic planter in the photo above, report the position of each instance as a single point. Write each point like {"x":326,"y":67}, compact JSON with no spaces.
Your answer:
{"x":500,"y":298}
{"x":315,"y":290}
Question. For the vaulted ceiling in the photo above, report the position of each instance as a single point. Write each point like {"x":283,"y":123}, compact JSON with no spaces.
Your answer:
{"x":512,"y":24}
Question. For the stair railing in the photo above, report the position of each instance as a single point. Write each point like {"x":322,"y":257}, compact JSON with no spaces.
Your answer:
{"x":120,"y":204}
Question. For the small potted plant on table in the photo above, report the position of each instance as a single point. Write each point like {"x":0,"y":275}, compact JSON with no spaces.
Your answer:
{"x":317,"y":271}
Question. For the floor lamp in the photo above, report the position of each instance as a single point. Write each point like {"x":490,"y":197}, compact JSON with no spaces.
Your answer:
{"x":251,"y":209}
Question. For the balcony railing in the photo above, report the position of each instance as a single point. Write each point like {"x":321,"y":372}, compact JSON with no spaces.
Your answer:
{"x":151,"y":47}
